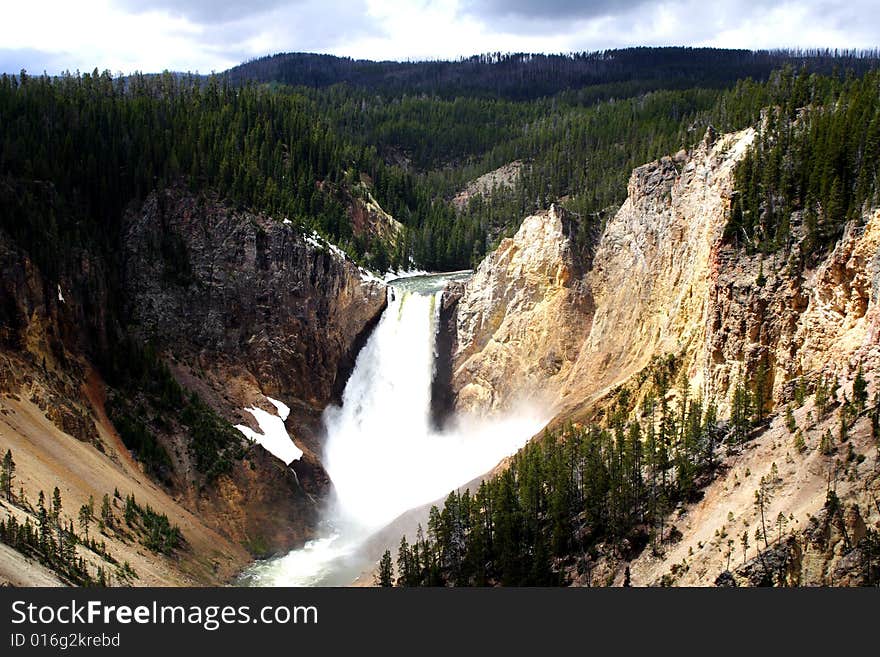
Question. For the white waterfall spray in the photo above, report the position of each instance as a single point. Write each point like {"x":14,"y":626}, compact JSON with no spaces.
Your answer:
{"x":381,"y":451}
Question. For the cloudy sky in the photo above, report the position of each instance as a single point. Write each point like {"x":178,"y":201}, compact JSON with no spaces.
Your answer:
{"x":212,"y":35}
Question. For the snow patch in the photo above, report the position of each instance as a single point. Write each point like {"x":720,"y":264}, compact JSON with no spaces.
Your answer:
{"x":283,"y":409}
{"x":274,"y":438}
{"x":60,"y":296}
{"x":392,"y":275}
{"x":287,"y":221}
{"x":319,"y":242}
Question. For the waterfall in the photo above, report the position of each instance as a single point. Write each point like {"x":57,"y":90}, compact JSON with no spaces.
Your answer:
{"x":381,"y":433}
{"x":381,"y":451}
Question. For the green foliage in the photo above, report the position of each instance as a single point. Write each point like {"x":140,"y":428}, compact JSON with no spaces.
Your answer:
{"x":815,"y":160}
{"x":790,"y":422}
{"x":156,"y":531}
{"x":137,"y":437}
{"x":860,"y":390}
{"x":577,"y":77}
{"x":800,"y":392}
{"x":740,"y":413}
{"x":7,"y":474}
{"x":385,"y":576}
{"x":798,"y":443}
{"x":53,"y":542}
{"x":567,"y":493}
{"x":826,"y":443}
{"x":215,"y":443}
{"x":821,"y":397}
{"x":77,"y":150}
{"x":139,"y":373}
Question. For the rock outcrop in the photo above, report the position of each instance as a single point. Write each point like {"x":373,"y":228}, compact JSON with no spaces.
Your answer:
{"x":240,"y":307}
{"x":541,"y":316}
{"x":651,"y":276}
{"x":249,"y":300}
{"x":663,"y":280}
{"x":521,"y":318}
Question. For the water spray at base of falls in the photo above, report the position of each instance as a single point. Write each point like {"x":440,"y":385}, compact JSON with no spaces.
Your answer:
{"x":381,"y":451}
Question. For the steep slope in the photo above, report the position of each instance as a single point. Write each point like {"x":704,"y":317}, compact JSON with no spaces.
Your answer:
{"x":539,"y":315}
{"x":520,"y":319}
{"x":650,"y":276}
{"x":248,"y":301}
{"x":239,"y":307}
{"x":664,"y":282}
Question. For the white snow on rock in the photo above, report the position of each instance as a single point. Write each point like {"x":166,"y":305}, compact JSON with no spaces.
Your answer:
{"x":274,"y":438}
{"x":319,"y":242}
{"x":60,"y":296}
{"x":283,"y":409}
{"x":392,"y":275}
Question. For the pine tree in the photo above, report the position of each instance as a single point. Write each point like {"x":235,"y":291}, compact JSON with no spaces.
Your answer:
{"x":7,"y":475}
{"x":860,"y":390}
{"x":740,"y":412}
{"x":759,"y":394}
{"x":763,"y":497}
{"x":385,"y":576}
{"x":799,"y":444}
{"x":790,"y":423}
{"x":826,"y":443}
{"x":106,"y":511}
{"x":130,"y":510}
{"x":85,"y":518}
{"x":56,"y":505}
{"x":821,"y":398}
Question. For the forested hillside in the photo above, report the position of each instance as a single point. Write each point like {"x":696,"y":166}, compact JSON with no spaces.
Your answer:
{"x":318,"y":142}
{"x":288,"y":151}
{"x":587,"y":494}
{"x":523,"y":76}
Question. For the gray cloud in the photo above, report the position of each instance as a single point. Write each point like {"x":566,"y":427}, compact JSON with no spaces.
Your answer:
{"x":668,"y":22}
{"x":208,"y":11}
{"x":548,"y":10}
{"x":225,"y":32}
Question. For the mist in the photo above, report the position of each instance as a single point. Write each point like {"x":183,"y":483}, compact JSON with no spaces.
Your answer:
{"x":382,"y":453}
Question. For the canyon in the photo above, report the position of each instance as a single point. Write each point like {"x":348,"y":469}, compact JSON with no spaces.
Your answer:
{"x":244,"y":308}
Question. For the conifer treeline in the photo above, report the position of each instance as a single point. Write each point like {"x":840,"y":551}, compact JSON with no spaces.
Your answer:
{"x":77,"y":150}
{"x":816,"y":160}
{"x":574,"y":489}
{"x":102,"y":143}
{"x":52,"y":537}
{"x":525,"y":76}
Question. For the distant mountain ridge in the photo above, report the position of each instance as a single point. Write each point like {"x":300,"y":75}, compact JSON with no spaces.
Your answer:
{"x":524,"y":76}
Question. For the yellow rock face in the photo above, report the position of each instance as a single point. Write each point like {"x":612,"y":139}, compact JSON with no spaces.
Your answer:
{"x":537,"y":321}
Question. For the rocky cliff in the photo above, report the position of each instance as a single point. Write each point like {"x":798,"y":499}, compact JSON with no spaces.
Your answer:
{"x":542,"y":316}
{"x":238,"y":307}
{"x":663,"y":281}
{"x":250,"y":303}
{"x":521,"y":319}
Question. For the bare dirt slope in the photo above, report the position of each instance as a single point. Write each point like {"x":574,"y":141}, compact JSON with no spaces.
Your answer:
{"x":46,"y":457}
{"x":18,"y":570}
{"x":798,"y":492}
